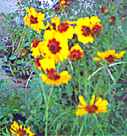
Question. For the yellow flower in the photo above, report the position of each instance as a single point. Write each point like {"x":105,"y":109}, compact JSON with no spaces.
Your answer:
{"x":47,"y":63}
{"x":83,"y":30}
{"x":44,"y":63}
{"x":96,"y":105}
{"x":34,"y":19}
{"x":76,"y":52}
{"x":110,"y":56}
{"x":96,"y":25}
{"x":35,"y":48}
{"x":54,"y":47}
{"x":94,"y":20}
{"x":54,"y":78}
{"x":64,"y":28}
{"x":17,"y":129}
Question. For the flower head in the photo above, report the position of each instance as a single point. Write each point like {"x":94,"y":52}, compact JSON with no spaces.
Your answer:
{"x":96,"y":105}
{"x":54,"y":47}
{"x":83,"y":30}
{"x":96,"y":25}
{"x":17,"y":129}
{"x":52,"y":77}
{"x":76,"y":53}
{"x":35,"y":48}
{"x":34,"y":19}
{"x":110,"y":56}
{"x":64,"y":28}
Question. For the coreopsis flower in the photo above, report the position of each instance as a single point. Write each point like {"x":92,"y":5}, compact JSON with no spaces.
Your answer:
{"x":35,"y":48}
{"x":76,"y":52}
{"x":83,"y":30}
{"x":64,"y":28}
{"x":34,"y":19}
{"x":96,"y":105}
{"x":110,"y":56}
{"x":96,"y":25}
{"x":54,"y":47}
{"x":17,"y":129}
{"x":52,"y":77}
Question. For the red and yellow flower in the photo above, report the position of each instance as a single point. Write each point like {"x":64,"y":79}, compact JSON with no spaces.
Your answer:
{"x":35,"y":48}
{"x":83,"y":30}
{"x":44,"y":63}
{"x":52,"y":77}
{"x":96,"y":25}
{"x":34,"y":19}
{"x":96,"y":105}
{"x":17,"y":129}
{"x":54,"y":47}
{"x":64,"y":28}
{"x":110,"y":56}
{"x":76,"y":53}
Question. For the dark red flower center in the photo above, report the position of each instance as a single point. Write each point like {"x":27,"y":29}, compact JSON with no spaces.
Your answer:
{"x":54,"y":26}
{"x":86,"y":31}
{"x":52,"y":74}
{"x":96,"y":29}
{"x":54,"y":46}
{"x":21,"y":132}
{"x":33,"y":20}
{"x":76,"y":55}
{"x":63,"y":27}
{"x":91,"y":108}
{"x":110,"y":59}
{"x":35,"y":43}
{"x":37,"y":62}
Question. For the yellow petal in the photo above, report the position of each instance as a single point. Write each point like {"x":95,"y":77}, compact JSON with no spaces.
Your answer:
{"x":92,"y":100}
{"x":82,"y":100}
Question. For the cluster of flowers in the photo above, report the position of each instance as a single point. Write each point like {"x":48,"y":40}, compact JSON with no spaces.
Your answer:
{"x":55,"y":48}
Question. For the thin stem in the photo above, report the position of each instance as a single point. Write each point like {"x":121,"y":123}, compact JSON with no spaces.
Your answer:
{"x":95,"y":72}
{"x":28,"y":80}
{"x":99,"y":69}
{"x":81,"y":129}
{"x":46,"y":108}
{"x":71,"y":66}
{"x":99,"y":125}
{"x":110,"y":74}
{"x":83,"y":125}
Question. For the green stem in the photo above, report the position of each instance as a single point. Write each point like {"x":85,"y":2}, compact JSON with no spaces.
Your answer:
{"x":83,"y":125}
{"x":110,"y":74}
{"x":99,"y":125}
{"x":46,"y":108}
{"x":99,"y":69}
